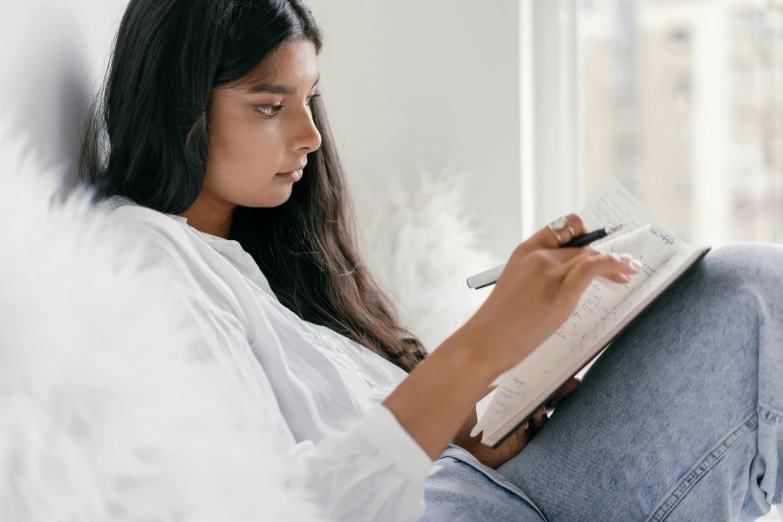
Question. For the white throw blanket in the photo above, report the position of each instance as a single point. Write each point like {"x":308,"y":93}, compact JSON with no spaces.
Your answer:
{"x":109,"y":411}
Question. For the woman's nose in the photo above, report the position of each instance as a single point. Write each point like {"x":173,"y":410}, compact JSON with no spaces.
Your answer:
{"x":308,"y":138}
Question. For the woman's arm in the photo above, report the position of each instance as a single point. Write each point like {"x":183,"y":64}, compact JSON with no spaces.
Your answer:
{"x":433,"y":402}
{"x":376,"y":468}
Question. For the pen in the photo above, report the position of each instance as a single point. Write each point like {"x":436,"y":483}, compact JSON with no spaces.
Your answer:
{"x":586,"y":239}
{"x":490,"y":276}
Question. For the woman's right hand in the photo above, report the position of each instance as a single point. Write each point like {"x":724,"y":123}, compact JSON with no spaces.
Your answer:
{"x":539,"y":288}
{"x":537,"y":291}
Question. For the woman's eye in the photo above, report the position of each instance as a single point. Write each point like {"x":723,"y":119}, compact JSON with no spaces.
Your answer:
{"x":269,"y":110}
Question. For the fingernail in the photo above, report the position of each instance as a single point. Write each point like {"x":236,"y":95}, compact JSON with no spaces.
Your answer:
{"x":636,"y":265}
{"x":615,"y":256}
{"x":626,"y":258}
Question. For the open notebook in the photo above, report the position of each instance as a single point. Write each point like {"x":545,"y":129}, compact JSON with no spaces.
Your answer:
{"x":603,"y":312}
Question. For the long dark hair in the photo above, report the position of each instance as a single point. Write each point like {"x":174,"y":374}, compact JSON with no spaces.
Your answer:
{"x":149,"y":139}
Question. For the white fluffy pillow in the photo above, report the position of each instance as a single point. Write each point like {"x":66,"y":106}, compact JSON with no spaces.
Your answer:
{"x":106,"y":413}
{"x":422,"y":244}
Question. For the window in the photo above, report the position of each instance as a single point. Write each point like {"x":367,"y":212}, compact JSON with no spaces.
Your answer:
{"x":682,"y":101}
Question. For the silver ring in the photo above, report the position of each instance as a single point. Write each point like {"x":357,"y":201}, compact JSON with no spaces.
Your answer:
{"x":558,"y":225}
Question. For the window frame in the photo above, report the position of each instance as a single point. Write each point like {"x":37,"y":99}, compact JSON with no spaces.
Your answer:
{"x":551,"y":112}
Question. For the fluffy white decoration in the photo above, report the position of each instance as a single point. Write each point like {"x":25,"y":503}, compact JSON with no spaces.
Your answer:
{"x":109,"y":411}
{"x":422,"y":245}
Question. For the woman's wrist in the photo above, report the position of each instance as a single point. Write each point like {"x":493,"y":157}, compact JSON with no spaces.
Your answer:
{"x":473,"y":353}
{"x":485,"y":354}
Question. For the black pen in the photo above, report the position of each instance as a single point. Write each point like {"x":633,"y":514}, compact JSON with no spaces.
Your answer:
{"x":490,"y":276}
{"x":590,"y":237}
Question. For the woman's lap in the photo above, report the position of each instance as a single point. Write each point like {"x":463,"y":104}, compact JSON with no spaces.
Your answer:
{"x":677,"y":420}
{"x":465,"y":490}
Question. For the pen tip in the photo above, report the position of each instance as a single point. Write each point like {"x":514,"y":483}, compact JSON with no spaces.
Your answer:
{"x":611,"y":229}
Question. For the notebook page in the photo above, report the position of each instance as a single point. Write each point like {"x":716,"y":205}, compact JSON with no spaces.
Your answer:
{"x":600,"y":307}
{"x":611,"y":203}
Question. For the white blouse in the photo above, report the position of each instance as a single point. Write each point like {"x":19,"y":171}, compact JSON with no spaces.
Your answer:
{"x":348,"y":449}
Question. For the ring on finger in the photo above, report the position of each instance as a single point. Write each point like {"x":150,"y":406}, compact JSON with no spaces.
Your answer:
{"x":559,"y":225}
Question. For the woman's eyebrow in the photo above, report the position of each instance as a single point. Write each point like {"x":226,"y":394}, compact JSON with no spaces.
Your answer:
{"x":272,"y":88}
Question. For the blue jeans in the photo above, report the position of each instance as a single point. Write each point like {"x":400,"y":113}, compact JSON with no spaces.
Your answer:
{"x":681,"y":418}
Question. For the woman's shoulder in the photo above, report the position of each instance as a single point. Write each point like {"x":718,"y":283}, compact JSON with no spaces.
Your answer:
{"x":161,"y":231}
{"x":158,"y":238}
{"x":167,"y":239}
{"x":124,"y":210}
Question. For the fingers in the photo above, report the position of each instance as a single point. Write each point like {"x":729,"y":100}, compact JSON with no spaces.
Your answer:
{"x":544,"y":238}
{"x":615,"y":278}
{"x":622,"y":262}
{"x":567,"y":389}
{"x":537,"y":421}
{"x":582,"y":269}
{"x":542,"y":260}
{"x":562,"y":255}
{"x":539,"y":418}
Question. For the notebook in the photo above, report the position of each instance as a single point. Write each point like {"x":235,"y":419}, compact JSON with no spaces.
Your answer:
{"x":604,"y":311}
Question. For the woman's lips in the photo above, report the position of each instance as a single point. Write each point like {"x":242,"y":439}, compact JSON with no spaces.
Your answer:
{"x":295,"y":175}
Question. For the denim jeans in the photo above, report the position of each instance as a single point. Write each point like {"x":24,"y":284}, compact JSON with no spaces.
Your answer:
{"x":680,"y":419}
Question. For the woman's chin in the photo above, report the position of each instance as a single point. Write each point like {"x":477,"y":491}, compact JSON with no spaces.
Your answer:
{"x":283,"y":194}
{"x":271,"y":199}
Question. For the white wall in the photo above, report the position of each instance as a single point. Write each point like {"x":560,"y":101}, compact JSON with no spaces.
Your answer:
{"x":435,"y":85}
{"x":52,"y":54}
{"x":409,"y":85}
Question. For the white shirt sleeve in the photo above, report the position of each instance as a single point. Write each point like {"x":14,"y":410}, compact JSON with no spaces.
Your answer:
{"x":373,"y":471}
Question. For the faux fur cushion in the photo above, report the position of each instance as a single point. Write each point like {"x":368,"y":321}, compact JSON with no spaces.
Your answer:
{"x":422,"y":244}
{"x":109,"y":409}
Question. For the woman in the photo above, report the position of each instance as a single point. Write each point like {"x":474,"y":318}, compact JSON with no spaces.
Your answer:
{"x":218,"y":147}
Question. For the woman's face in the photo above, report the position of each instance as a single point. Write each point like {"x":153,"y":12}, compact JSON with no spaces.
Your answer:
{"x":261,"y":129}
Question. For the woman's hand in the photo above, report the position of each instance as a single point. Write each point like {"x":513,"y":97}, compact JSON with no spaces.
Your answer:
{"x":539,"y":288}
{"x":517,"y":441}
{"x":537,"y":291}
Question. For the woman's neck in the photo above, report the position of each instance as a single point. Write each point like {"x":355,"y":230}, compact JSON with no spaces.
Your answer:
{"x":210,"y":215}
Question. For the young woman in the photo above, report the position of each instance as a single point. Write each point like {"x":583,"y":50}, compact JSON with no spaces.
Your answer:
{"x":217,"y":145}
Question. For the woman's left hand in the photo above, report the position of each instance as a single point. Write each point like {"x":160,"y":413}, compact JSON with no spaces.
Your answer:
{"x":513,"y":445}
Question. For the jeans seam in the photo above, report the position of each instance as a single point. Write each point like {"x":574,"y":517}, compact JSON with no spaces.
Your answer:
{"x":702,"y":467}
{"x":769,"y":415}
